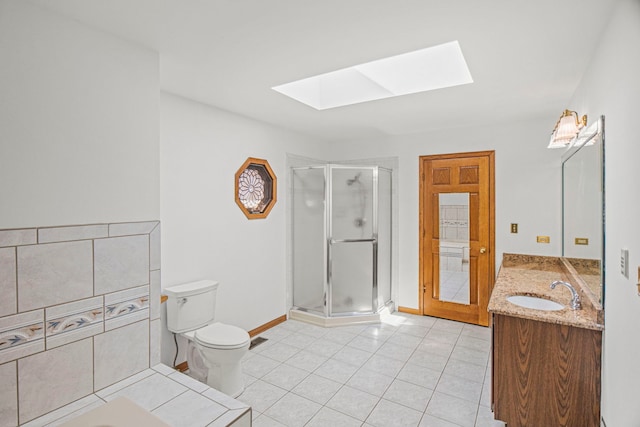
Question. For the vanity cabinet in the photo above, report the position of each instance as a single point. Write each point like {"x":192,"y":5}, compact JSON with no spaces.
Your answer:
{"x":545,"y":374}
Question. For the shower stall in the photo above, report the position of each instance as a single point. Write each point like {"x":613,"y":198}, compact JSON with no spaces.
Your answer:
{"x":341,"y":243}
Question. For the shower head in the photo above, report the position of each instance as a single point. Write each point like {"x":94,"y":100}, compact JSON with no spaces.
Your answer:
{"x":354,"y":179}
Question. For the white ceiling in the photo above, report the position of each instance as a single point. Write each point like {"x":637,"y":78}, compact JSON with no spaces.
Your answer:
{"x":526,"y":56}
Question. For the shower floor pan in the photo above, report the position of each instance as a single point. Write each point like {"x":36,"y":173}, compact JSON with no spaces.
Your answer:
{"x":345,"y":320}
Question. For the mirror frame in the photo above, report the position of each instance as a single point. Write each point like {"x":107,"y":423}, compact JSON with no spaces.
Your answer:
{"x":583,"y":139}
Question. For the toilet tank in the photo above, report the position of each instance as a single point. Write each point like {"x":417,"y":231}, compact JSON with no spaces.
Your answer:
{"x":191,"y":305}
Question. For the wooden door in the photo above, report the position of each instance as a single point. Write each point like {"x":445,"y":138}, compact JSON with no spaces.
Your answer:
{"x":457,"y":236}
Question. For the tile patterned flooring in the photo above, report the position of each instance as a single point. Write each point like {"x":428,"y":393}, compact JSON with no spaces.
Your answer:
{"x":175,"y":398}
{"x":454,"y":285}
{"x":407,"y":371}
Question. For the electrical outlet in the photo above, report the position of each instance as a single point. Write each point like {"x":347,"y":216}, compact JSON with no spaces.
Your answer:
{"x":624,"y":262}
{"x":514,"y":228}
{"x":543,"y":239}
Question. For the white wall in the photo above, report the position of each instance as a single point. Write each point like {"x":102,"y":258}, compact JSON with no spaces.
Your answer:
{"x":78,"y":123}
{"x":78,"y":145}
{"x":527,"y":187}
{"x":611,"y":87}
{"x":204,"y":232}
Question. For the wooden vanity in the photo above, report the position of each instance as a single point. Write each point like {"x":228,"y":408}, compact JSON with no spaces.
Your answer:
{"x":545,"y":364}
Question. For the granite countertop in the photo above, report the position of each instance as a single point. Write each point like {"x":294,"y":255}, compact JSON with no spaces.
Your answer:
{"x":532,"y":275}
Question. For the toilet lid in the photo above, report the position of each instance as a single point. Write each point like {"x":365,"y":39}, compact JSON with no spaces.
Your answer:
{"x":219,"y":335}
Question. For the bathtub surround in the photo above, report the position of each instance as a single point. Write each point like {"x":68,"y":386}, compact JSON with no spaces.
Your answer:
{"x":80,"y":311}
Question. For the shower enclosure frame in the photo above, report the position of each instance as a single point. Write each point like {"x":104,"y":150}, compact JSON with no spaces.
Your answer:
{"x":330,"y":241}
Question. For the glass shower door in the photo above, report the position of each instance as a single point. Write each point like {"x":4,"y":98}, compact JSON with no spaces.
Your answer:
{"x":308,"y":216}
{"x":352,"y":241}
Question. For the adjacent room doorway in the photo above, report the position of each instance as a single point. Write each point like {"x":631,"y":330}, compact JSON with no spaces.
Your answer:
{"x":457,"y":253}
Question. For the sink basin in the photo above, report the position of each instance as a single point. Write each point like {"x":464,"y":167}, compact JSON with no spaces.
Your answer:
{"x":535,"y":303}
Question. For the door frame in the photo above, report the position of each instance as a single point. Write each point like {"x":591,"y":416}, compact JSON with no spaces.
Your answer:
{"x":422,"y":214}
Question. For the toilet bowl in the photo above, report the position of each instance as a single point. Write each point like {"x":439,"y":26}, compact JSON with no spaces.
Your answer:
{"x":215,"y":349}
{"x":214,"y":356}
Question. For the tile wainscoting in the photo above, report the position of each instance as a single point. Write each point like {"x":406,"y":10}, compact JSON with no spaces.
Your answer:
{"x":79,"y":311}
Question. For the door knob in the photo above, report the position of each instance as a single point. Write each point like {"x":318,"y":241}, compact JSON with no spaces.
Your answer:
{"x":483,"y":250}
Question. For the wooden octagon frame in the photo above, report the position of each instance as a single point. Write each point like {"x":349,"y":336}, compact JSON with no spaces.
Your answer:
{"x":264,"y":170}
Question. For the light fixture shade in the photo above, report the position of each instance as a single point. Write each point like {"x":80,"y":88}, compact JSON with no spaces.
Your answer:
{"x":566,"y":129}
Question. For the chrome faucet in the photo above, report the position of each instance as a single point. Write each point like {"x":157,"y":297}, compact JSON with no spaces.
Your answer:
{"x":575,"y":298}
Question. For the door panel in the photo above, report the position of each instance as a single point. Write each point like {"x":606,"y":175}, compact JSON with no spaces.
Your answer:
{"x":351,"y":277}
{"x":456,"y":229}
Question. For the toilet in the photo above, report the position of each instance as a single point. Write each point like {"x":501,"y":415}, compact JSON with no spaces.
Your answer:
{"x":215,"y":349}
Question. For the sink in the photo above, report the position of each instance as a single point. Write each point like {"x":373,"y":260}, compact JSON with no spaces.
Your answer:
{"x":535,"y":303}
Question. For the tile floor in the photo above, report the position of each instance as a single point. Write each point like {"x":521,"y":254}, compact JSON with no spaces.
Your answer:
{"x":407,"y":371}
{"x":175,"y":398}
{"x":454,"y":285}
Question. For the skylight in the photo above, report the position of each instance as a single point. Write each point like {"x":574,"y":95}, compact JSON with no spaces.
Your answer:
{"x":432,"y":68}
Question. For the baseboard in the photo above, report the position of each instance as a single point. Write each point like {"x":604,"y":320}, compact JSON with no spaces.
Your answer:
{"x":260,"y":329}
{"x":181,"y":367}
{"x":409,"y":310}
{"x":268,"y":325}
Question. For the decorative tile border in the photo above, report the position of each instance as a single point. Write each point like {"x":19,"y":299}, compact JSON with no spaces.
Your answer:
{"x":126,"y":302}
{"x":125,"y":307}
{"x":20,"y":328}
{"x":80,"y":320}
{"x":454,"y":223}
{"x":21,"y":335}
{"x":74,"y":321}
{"x":74,"y":315}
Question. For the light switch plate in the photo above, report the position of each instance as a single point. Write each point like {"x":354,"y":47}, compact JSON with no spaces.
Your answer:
{"x":624,"y":262}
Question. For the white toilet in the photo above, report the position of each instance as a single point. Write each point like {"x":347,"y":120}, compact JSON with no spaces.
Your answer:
{"x":215,"y":349}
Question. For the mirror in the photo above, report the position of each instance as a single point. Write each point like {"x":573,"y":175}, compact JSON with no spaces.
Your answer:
{"x":454,"y":247}
{"x":583,"y":207}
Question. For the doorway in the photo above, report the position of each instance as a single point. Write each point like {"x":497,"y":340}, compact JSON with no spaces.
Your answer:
{"x":457,"y":234}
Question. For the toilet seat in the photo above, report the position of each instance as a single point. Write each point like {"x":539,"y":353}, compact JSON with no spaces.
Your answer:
{"x":221,"y":336}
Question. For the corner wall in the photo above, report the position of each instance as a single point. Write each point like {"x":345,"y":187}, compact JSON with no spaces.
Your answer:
{"x":78,"y":145}
{"x":611,"y":88}
{"x":205,"y":235}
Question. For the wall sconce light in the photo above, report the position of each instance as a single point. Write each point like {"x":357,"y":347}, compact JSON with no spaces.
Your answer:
{"x":566,"y":129}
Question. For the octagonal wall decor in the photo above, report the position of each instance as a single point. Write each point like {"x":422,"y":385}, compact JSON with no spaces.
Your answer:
{"x":255,"y":188}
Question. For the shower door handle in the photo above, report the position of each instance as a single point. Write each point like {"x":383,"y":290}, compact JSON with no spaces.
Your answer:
{"x":332,"y":241}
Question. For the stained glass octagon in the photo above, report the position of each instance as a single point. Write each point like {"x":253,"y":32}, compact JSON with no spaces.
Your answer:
{"x":255,"y":188}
